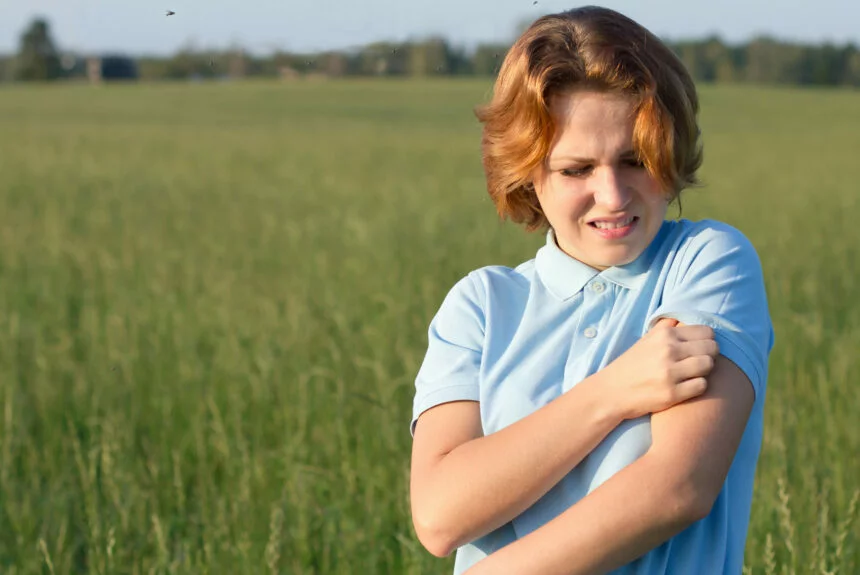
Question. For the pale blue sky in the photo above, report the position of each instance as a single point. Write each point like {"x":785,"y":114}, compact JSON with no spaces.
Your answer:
{"x":140,"y":26}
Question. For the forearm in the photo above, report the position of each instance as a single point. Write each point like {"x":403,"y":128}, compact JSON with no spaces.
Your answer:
{"x":630,"y":514}
{"x":486,"y":482}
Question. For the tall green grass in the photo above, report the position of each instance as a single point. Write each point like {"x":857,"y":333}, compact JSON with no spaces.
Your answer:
{"x":214,"y":300}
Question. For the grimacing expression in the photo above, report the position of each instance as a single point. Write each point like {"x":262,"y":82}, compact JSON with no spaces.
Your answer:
{"x":603,"y":205}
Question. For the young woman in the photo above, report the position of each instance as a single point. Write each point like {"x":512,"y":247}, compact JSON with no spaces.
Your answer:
{"x":598,"y":408}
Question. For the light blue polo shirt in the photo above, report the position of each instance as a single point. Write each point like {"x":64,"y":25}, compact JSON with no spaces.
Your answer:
{"x":514,"y":339}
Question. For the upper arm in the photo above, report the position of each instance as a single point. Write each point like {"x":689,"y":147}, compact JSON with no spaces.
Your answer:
{"x":698,"y":439}
{"x":447,"y":383}
{"x":720,"y":285}
{"x":445,"y":411}
{"x":439,"y":431}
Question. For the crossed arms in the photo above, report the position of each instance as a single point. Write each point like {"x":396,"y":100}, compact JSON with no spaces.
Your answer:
{"x":657,"y":496}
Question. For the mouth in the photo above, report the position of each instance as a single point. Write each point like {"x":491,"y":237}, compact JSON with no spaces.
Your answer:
{"x":614,"y":228}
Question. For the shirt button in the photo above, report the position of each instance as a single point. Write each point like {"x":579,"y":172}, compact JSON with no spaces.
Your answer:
{"x":590,"y":332}
{"x":598,"y":287}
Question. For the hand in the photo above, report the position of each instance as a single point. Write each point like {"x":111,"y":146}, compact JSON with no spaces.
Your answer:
{"x":667,"y":366}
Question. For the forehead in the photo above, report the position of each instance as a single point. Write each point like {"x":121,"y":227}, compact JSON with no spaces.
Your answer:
{"x":592,"y":122}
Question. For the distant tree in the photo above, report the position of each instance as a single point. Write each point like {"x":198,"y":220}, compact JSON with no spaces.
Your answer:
{"x":383,"y":59}
{"x":334,"y":64}
{"x":37,"y":56}
{"x":152,"y":68}
{"x":851,"y":72}
{"x":823,"y":65}
{"x":7,"y":65}
{"x":767,"y":61}
{"x":279,"y":61}
{"x":764,"y":60}
{"x":74,"y":66}
{"x":431,"y":57}
{"x":488,"y":58}
{"x":690,"y":54}
{"x":191,"y":63}
{"x":238,"y":63}
{"x":459,"y":61}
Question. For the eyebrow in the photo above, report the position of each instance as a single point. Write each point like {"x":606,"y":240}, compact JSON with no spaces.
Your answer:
{"x":625,"y":154}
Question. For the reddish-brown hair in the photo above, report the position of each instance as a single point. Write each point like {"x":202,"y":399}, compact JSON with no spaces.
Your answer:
{"x":589,"y":48}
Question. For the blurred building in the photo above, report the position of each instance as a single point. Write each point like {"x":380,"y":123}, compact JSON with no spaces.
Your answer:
{"x":288,"y":73}
{"x":111,"y":68}
{"x":94,"y":70}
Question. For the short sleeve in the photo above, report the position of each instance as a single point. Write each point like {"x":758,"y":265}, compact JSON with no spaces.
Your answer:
{"x":451,"y":366}
{"x":719,"y":283}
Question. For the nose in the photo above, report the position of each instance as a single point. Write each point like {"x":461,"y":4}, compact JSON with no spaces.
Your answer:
{"x":610,"y":189}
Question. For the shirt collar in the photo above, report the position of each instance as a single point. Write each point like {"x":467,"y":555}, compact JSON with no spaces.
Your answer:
{"x":565,"y":276}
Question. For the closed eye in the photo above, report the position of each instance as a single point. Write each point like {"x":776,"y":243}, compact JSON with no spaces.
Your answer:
{"x":576,"y":172}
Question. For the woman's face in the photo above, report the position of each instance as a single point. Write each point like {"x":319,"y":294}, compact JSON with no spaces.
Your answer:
{"x":601,"y":202}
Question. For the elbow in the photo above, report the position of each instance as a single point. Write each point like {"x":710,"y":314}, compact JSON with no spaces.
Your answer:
{"x":433,"y":534}
{"x":695,"y":500}
{"x":687,"y":493}
{"x":434,"y":540}
{"x":684,"y":496}
{"x":698,"y":509}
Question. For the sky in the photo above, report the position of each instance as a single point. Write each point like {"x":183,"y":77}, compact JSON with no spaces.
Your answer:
{"x":139,"y":27}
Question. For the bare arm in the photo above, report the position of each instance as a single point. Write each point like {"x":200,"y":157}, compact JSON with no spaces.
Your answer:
{"x":465,"y":485}
{"x":652,"y":499}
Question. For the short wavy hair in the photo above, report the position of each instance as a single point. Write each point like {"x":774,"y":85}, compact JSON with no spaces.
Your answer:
{"x":589,"y":48}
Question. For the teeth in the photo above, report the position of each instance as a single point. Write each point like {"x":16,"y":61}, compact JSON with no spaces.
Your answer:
{"x":612,"y":225}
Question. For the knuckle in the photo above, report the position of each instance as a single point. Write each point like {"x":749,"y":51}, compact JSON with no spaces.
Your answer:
{"x":667,"y":376}
{"x":668,"y":397}
{"x":666,"y":355}
{"x":658,"y":335}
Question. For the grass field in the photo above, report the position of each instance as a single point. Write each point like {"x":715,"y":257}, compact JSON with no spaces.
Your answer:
{"x":214,"y":300}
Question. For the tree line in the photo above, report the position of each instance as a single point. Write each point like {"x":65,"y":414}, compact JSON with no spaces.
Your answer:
{"x":763,"y":60}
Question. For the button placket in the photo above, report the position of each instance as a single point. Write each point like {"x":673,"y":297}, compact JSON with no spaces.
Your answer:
{"x":598,"y":287}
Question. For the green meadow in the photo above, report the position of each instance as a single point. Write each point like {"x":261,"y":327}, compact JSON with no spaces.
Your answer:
{"x":214,"y":299}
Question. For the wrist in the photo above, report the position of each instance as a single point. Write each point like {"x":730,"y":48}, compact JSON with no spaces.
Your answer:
{"x":606,"y":404}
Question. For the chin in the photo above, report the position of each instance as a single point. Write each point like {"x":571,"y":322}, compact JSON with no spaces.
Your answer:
{"x":618,"y":259}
